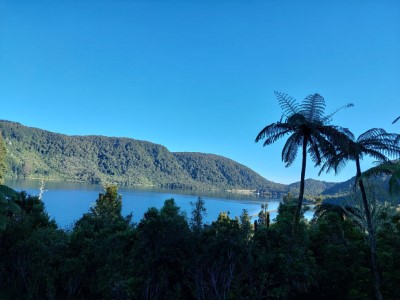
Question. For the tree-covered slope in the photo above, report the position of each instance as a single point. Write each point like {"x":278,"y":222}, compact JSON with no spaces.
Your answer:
{"x":212,"y":169}
{"x":312,"y":187}
{"x":380,"y":181}
{"x":33,"y":153}
{"x":340,"y":188}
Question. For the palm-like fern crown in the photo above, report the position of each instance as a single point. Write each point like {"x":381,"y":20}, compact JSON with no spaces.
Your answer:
{"x":378,"y":144}
{"x":304,"y":122}
{"x":312,"y":109}
{"x":375,"y":142}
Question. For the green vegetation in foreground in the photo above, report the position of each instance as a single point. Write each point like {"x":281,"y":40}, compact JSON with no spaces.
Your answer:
{"x":168,"y":256}
{"x":34,"y":153}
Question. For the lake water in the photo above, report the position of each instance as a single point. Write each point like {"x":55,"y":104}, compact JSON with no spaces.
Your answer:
{"x":66,"y":202}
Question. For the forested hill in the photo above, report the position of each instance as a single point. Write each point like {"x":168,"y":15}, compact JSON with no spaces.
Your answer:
{"x":33,"y":153}
{"x":312,"y":187}
{"x":343,"y":188}
{"x":214,"y":169}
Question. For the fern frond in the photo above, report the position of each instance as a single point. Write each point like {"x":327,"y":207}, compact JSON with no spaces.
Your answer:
{"x":313,"y":107}
{"x":288,"y":104}
{"x":377,"y":154}
{"x":273,"y":132}
{"x":289,"y":151}
{"x":371,"y":134}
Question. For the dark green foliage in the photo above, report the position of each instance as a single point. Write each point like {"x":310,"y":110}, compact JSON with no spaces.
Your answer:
{"x":263,"y":216}
{"x":3,"y":155}
{"x":8,"y":206}
{"x":342,"y":188}
{"x":105,"y":256}
{"x":293,"y":265}
{"x":379,"y":175}
{"x":8,"y":193}
{"x":341,"y":253}
{"x":220,"y":259}
{"x":216,"y":170}
{"x":198,"y":213}
{"x":162,"y":255}
{"x":312,"y":187}
{"x":108,"y":206}
{"x":35,"y":153}
{"x":245,"y":225}
{"x":99,"y":247}
{"x":389,"y":255}
{"x":32,"y":250}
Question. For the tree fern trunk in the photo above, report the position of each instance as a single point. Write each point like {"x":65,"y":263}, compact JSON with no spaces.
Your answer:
{"x":296,"y":217}
{"x":371,"y":236}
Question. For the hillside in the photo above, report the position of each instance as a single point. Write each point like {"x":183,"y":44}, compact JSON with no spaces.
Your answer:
{"x":213,"y":169}
{"x":342,"y":188}
{"x":312,"y":187}
{"x":33,"y":153}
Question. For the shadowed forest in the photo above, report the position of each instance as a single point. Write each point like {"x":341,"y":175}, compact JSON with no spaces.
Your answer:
{"x":168,"y":255}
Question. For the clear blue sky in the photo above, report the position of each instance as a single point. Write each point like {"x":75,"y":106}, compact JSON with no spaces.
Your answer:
{"x":198,"y":75}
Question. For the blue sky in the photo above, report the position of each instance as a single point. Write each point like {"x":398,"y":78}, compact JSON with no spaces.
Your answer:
{"x":199,"y":75}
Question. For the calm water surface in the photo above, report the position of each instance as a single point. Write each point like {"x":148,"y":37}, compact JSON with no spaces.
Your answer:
{"x":66,"y":202}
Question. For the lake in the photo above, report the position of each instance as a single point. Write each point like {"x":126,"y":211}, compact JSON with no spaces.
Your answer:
{"x":66,"y":202}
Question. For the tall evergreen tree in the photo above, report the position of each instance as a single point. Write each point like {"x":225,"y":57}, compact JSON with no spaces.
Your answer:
{"x":198,"y":213}
{"x":100,"y":243}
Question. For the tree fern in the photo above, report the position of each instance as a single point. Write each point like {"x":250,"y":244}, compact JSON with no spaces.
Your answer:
{"x":288,"y":104}
{"x":313,"y":107}
{"x":305,"y":124}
